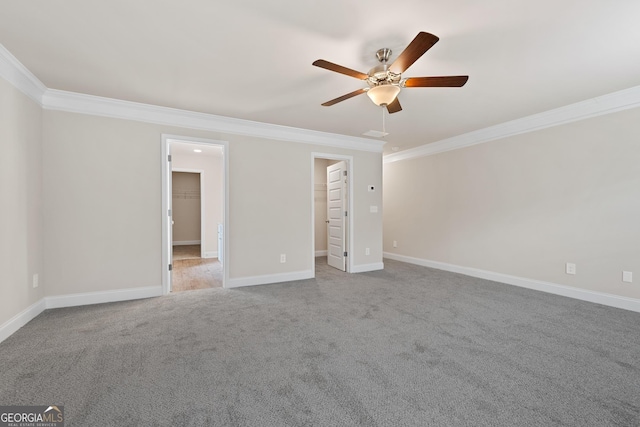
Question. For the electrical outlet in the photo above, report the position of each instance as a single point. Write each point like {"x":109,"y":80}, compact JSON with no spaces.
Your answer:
{"x":367,"y":251}
{"x":395,"y":244}
{"x":283,"y":258}
{"x":627,"y":276}
{"x":571,"y":268}
{"x":35,"y":280}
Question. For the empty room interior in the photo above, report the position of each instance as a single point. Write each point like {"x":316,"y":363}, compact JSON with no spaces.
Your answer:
{"x":320,"y":213}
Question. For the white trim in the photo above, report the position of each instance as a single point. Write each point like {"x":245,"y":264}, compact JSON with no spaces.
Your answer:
{"x":203,"y":214}
{"x":185,"y":242}
{"x":20,"y":77}
{"x":611,"y":300}
{"x":601,"y":105}
{"x":363,"y":268}
{"x":165,"y":141}
{"x":321,"y":253}
{"x":107,"y":107}
{"x":211,"y":254}
{"x":86,"y":298}
{"x":9,"y":327}
{"x":269,"y":278}
{"x":350,"y":243}
{"x":166,"y":234}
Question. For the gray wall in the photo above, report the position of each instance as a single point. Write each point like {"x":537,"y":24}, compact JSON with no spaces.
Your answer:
{"x":526,"y":205}
{"x":21,"y":234}
{"x":118,"y":248}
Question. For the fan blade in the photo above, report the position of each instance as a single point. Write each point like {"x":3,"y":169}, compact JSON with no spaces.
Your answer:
{"x":415,"y":50}
{"x":339,"y":69}
{"x":440,"y":81}
{"x":344,"y":97}
{"x":394,"y":107}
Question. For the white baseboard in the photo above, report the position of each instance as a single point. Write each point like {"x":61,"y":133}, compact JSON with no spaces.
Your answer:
{"x":269,"y":278}
{"x":322,"y":253}
{"x":611,"y":300}
{"x":185,"y":242}
{"x":211,"y":254}
{"x":363,"y":268}
{"x":72,"y":300}
{"x":19,"y":320}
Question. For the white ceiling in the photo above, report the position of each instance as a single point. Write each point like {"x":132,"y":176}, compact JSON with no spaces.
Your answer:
{"x":251,"y":59}
{"x":186,"y":149}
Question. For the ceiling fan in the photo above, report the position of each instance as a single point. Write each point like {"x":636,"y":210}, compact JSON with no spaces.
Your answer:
{"x":385,"y":81}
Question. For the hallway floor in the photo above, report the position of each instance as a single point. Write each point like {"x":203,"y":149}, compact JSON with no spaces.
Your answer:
{"x":191,"y":272}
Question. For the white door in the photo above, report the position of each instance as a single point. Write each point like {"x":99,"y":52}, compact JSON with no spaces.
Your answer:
{"x":336,"y":214}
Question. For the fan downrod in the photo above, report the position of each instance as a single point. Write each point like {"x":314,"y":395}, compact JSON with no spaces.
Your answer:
{"x":383,"y":55}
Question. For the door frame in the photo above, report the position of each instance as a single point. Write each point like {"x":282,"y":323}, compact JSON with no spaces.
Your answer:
{"x":202,"y":204}
{"x":166,"y":140}
{"x":349,"y":240}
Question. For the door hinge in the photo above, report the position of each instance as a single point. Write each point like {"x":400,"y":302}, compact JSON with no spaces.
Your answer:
{"x":170,"y":267}
{"x":344,"y":173}
{"x":169,"y":212}
{"x":169,"y":158}
{"x":345,"y":213}
{"x":345,"y":254}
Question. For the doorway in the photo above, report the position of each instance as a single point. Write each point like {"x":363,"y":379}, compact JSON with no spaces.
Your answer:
{"x":188,"y":209}
{"x":194,"y":264}
{"x":194,"y":213}
{"x":332,"y":226}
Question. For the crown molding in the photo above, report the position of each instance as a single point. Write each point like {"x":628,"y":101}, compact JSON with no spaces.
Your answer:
{"x":601,"y":105}
{"x":17,"y":74}
{"x":21,"y":78}
{"x":115,"y":108}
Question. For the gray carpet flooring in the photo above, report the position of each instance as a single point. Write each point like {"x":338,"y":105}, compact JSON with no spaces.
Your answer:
{"x":407,"y":346}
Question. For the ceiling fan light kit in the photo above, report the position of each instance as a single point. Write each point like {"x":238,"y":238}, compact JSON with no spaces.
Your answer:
{"x":385,"y":82}
{"x":383,"y":95}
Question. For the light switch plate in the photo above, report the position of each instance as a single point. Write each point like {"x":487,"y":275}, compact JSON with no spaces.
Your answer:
{"x":373,"y":209}
{"x":627,"y":276}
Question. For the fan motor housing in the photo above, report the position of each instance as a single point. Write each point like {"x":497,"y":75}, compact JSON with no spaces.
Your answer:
{"x":381,"y":75}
